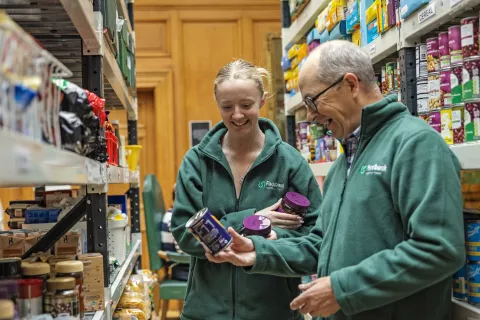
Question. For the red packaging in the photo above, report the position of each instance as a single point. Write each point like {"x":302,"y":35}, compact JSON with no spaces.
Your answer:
{"x":98,"y":105}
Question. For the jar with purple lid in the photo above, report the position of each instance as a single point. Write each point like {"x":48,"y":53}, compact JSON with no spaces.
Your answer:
{"x":257,"y":226}
{"x":294,"y":203}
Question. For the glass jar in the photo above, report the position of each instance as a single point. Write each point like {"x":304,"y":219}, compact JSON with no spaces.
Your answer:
{"x":10,"y":268}
{"x":61,"y":299}
{"x":257,"y":226}
{"x":37,"y":270}
{"x":73,"y":269}
{"x":8,"y":310}
{"x":30,"y":299}
{"x":294,"y":203}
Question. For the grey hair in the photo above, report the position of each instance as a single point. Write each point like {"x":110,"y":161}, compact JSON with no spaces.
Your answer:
{"x":337,"y":58}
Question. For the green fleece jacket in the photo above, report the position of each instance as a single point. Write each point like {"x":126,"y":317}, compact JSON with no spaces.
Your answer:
{"x":391,"y":232}
{"x":223,"y":291}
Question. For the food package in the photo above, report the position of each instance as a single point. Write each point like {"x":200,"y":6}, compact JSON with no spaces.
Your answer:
{"x":407,"y":7}
{"x":11,"y":245}
{"x":471,"y":190}
{"x":68,"y":244}
{"x":353,"y":15}
{"x":121,"y":314}
{"x":322,"y":19}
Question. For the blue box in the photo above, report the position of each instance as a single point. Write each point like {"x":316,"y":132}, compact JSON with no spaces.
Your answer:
{"x":353,"y":16}
{"x":313,"y":35}
{"x":408,"y":7}
{"x":33,"y":216}
{"x":324,"y":37}
{"x":286,"y":64}
{"x":118,"y":201}
{"x":372,"y":31}
{"x":340,"y":31}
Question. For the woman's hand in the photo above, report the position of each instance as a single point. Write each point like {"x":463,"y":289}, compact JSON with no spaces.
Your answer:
{"x":280,"y":220}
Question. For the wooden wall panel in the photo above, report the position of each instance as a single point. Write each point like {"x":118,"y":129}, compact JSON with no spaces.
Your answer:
{"x":203,"y":57}
{"x":157,"y":43}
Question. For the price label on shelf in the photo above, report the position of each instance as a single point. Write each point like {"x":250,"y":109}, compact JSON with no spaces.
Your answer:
{"x":23,"y":160}
{"x":373,"y":49}
{"x":454,"y":2}
{"x":426,"y":13}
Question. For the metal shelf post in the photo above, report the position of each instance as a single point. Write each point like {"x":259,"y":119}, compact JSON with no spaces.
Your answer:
{"x":408,"y":79}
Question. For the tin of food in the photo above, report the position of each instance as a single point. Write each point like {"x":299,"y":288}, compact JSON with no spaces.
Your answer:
{"x":460,"y":284}
{"x":444,"y":50}
{"x":434,"y":95}
{"x":455,"y":45}
{"x":447,"y":132}
{"x":294,"y":203}
{"x":472,"y":121}
{"x":469,"y":33}
{"x":458,"y":128}
{"x":257,"y":226}
{"x":456,"y":84}
{"x":473,"y":240}
{"x":211,"y":234}
{"x":473,"y":274}
{"x":445,"y":88}
{"x":433,"y":55}
{"x":470,"y":79}
{"x":435,"y":121}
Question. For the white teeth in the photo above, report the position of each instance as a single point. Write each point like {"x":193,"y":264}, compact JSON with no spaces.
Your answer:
{"x":239,"y":124}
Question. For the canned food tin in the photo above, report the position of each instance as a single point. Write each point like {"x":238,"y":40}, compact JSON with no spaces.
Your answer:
{"x":433,"y":56}
{"x":421,"y":60}
{"x":469,"y":34}
{"x":456,"y":84}
{"x":455,"y":45}
{"x":444,"y":50}
{"x":390,"y":75}
{"x":434,"y":91}
{"x":460,"y":284}
{"x":209,"y":231}
{"x":473,"y":240}
{"x":457,"y":124}
{"x":422,"y":104}
{"x":470,"y":79}
{"x":445,"y":88}
{"x":473,"y":274}
{"x":472,"y":121}
{"x":422,"y":86}
{"x":447,"y":133}
{"x":434,"y":120}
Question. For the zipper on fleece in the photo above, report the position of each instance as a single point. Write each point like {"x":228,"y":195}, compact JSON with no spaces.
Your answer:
{"x":352,"y":166}
{"x":237,"y":208}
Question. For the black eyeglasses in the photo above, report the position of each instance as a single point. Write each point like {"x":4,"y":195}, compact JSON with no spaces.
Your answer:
{"x":310,"y":101}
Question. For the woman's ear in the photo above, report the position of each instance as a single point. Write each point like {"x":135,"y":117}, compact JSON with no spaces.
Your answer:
{"x":264,"y":99}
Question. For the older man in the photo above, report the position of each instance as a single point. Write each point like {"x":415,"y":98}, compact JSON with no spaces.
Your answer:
{"x":390,"y":234}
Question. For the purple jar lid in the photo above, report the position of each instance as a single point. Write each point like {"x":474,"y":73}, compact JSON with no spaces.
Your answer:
{"x":296,"y":201}
{"x":257,"y":226}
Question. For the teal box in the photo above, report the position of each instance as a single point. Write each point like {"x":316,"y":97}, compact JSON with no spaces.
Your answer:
{"x":372,"y":31}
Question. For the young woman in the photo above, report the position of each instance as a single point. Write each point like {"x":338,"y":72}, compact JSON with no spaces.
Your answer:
{"x":241,"y":168}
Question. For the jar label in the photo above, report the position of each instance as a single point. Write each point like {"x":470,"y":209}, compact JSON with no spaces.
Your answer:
{"x":447,"y":133}
{"x":469,"y":126}
{"x":467,"y":35}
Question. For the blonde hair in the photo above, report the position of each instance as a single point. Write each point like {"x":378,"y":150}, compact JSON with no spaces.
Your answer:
{"x":243,"y":70}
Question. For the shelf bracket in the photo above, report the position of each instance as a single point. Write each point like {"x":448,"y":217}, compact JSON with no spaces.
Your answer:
{"x":408,"y":79}
{"x":59,"y":229}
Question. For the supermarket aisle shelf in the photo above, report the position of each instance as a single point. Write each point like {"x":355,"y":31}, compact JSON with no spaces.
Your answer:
{"x":119,"y":175}
{"x":293,"y":104}
{"x":384,"y":45}
{"x":122,"y":278}
{"x":124,"y":13}
{"x":321,"y":169}
{"x":87,"y":24}
{"x":115,"y":79}
{"x":468,"y":154}
{"x":99,"y":315}
{"x":304,"y":22}
{"x":432,"y":16}
{"x":31,"y":163}
{"x":463,"y":310}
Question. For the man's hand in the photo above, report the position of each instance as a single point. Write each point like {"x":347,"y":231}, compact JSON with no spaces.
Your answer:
{"x":272,"y":235}
{"x":317,"y":299}
{"x":241,"y":252}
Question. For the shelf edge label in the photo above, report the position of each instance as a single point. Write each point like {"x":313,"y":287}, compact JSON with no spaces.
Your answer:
{"x":454,"y":2}
{"x":426,"y":13}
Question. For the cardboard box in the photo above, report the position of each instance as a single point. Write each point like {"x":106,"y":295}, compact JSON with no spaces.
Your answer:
{"x":68,"y":244}
{"x":93,"y":290}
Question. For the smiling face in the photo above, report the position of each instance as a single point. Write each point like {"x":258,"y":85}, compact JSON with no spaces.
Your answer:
{"x":239,"y":102}
{"x":337,"y":107}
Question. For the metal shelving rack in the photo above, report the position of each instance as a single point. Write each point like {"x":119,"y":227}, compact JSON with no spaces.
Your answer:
{"x":72,"y":31}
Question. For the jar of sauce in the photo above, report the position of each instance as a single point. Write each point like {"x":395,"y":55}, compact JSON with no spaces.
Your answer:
{"x":73,"y":269}
{"x":257,"y":226}
{"x":30,"y":299}
{"x":37,"y":270}
{"x":294,"y":203}
{"x":8,"y":310}
{"x":61,"y":299}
